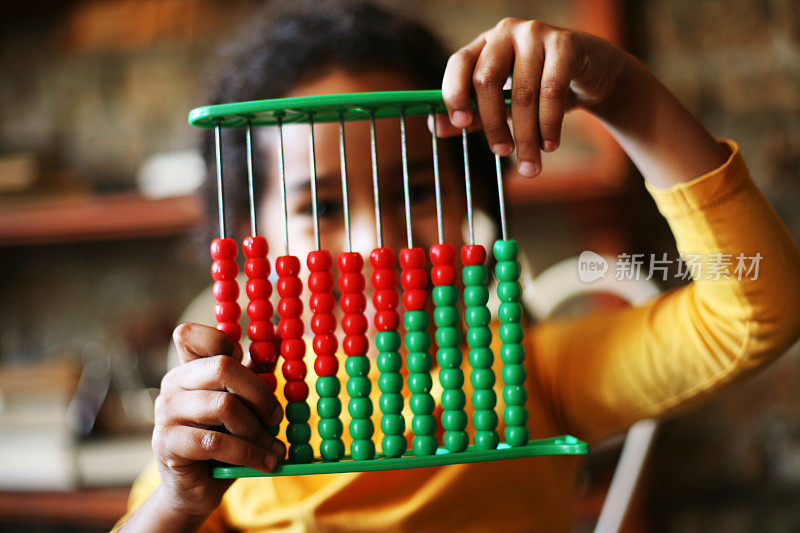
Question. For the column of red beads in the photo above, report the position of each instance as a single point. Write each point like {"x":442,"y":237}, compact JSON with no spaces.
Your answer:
{"x":293,"y":350}
{"x":226,"y":291}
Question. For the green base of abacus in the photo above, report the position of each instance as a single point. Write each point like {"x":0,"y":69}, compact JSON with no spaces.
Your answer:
{"x":563,"y":445}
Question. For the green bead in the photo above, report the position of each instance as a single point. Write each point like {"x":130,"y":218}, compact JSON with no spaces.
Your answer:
{"x":480,"y":357}
{"x":479,"y":337}
{"x":297,"y":411}
{"x":362,"y":450}
{"x":482,"y":378}
{"x":454,"y":420}
{"x":517,"y":436}
{"x":387,"y":341}
{"x":330,"y":428}
{"x":484,"y":420}
{"x":507,"y":271}
{"x":393,"y":424}
{"x":391,"y":403}
{"x":451,"y":378}
{"x":421,"y":404}
{"x":509,"y":291}
{"x":477,"y":316}
{"x":445,"y":295}
{"x":425,"y":444}
{"x":390,"y":361}
{"x":449,"y":357}
{"x":360,"y":407}
{"x":361,"y":428}
{"x":447,"y":336}
{"x":358,"y":387}
{"x":418,"y":341}
{"x":513,"y":374}
{"x":515,"y":415}
{"x":423,"y":425}
{"x":416,"y":320}
{"x":301,"y":453}
{"x":328,"y":386}
{"x":419,"y":362}
{"x":420,"y":383}
{"x":515,"y":395}
{"x":298,"y":432}
{"x":486,"y":440}
{"x":453,"y":400}
{"x":357,"y":366}
{"x":509,"y":312}
{"x":331,"y":450}
{"x":456,"y":441}
{"x":510,"y":333}
{"x":512,"y":354}
{"x":474,"y":275}
{"x":445,"y":316}
{"x":330,"y":407}
{"x":390,"y":382}
{"x":484,"y":399}
{"x":393,"y":445}
{"x":476,"y":295}
{"x":505,"y":250}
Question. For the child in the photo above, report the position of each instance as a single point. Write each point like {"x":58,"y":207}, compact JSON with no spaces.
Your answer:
{"x":589,"y":377}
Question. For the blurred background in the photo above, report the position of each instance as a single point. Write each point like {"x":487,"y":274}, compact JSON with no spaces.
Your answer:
{"x":98,"y":170}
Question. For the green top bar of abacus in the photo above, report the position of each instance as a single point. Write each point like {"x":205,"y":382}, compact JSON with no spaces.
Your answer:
{"x":324,"y":108}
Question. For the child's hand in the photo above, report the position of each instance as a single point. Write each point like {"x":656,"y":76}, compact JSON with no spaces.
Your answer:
{"x":553,"y":70}
{"x":210,"y":407}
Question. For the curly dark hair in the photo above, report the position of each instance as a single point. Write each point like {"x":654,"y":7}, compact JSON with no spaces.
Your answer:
{"x":288,"y":45}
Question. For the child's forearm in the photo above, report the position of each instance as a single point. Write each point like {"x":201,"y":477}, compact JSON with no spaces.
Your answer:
{"x":156,"y":515}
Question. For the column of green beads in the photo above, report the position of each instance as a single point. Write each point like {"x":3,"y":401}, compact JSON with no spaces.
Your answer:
{"x":479,"y":340}
{"x":512,"y":352}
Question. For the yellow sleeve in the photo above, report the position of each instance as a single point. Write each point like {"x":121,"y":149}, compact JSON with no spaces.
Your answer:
{"x":601,"y":373}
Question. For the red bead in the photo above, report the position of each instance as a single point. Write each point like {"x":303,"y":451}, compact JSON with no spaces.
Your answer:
{"x":354,"y":324}
{"x":382,"y":258}
{"x":261,"y":330}
{"x":293,"y":348}
{"x":326,"y":365}
{"x":353,"y":302}
{"x":385,"y":299}
{"x":257,"y":268}
{"x":354,"y":345}
{"x":443,"y":275}
{"x":224,"y":249}
{"x":259,"y":310}
{"x":325,"y":345}
{"x":290,"y":307}
{"x":413,"y":279}
{"x":350,"y":262}
{"x":224,"y":269}
{"x":270,"y":380}
{"x":322,"y":302}
{"x":351,"y":282}
{"x":295,"y":391}
{"x":321,"y":281}
{"x":473,"y":254}
{"x":323,"y":323}
{"x":258,"y":289}
{"x":443,"y":254}
{"x":262,"y":352}
{"x":294,"y":369}
{"x":319,"y":260}
{"x":227,"y":311}
{"x":232,"y":329}
{"x":291,"y":328}
{"x":383,"y":278}
{"x":412,"y":258}
{"x":289,"y":286}
{"x":226,"y":290}
{"x":387,"y":320}
{"x":255,"y":246}
{"x":415,"y":300}
{"x":287,"y":265}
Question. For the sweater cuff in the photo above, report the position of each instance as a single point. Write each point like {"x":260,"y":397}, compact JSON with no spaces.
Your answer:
{"x":702,"y":192}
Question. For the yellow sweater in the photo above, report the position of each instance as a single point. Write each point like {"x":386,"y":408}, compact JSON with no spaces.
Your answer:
{"x":590,"y":377}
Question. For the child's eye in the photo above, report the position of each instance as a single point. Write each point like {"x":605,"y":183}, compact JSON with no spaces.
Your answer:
{"x":421,"y":193}
{"x":325,"y":209}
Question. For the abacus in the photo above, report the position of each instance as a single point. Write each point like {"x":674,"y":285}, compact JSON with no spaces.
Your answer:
{"x":426,"y":450}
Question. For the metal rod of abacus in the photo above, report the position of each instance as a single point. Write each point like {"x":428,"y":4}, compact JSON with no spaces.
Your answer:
{"x":282,"y":174}
{"x":406,"y":186}
{"x":220,"y":193}
{"x":345,"y":195}
{"x":312,"y":164}
{"x":436,"y":181}
{"x":501,"y":196}
{"x":250,"y":189}
{"x":375,"y":188}
{"x":468,"y":186}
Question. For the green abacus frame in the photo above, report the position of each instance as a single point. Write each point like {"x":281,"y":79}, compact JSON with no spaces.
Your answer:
{"x":356,"y":107}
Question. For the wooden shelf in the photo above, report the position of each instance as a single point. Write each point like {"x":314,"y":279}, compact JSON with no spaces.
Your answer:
{"x":100,"y":507}
{"x":95,"y":217}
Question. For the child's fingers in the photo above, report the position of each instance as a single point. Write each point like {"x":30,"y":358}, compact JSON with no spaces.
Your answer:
{"x":195,"y":341}
{"x":178,"y":445}
{"x":457,"y":83}
{"x":525,"y":99}
{"x":445,"y":128}
{"x":491,"y":73}
{"x":559,"y":68}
